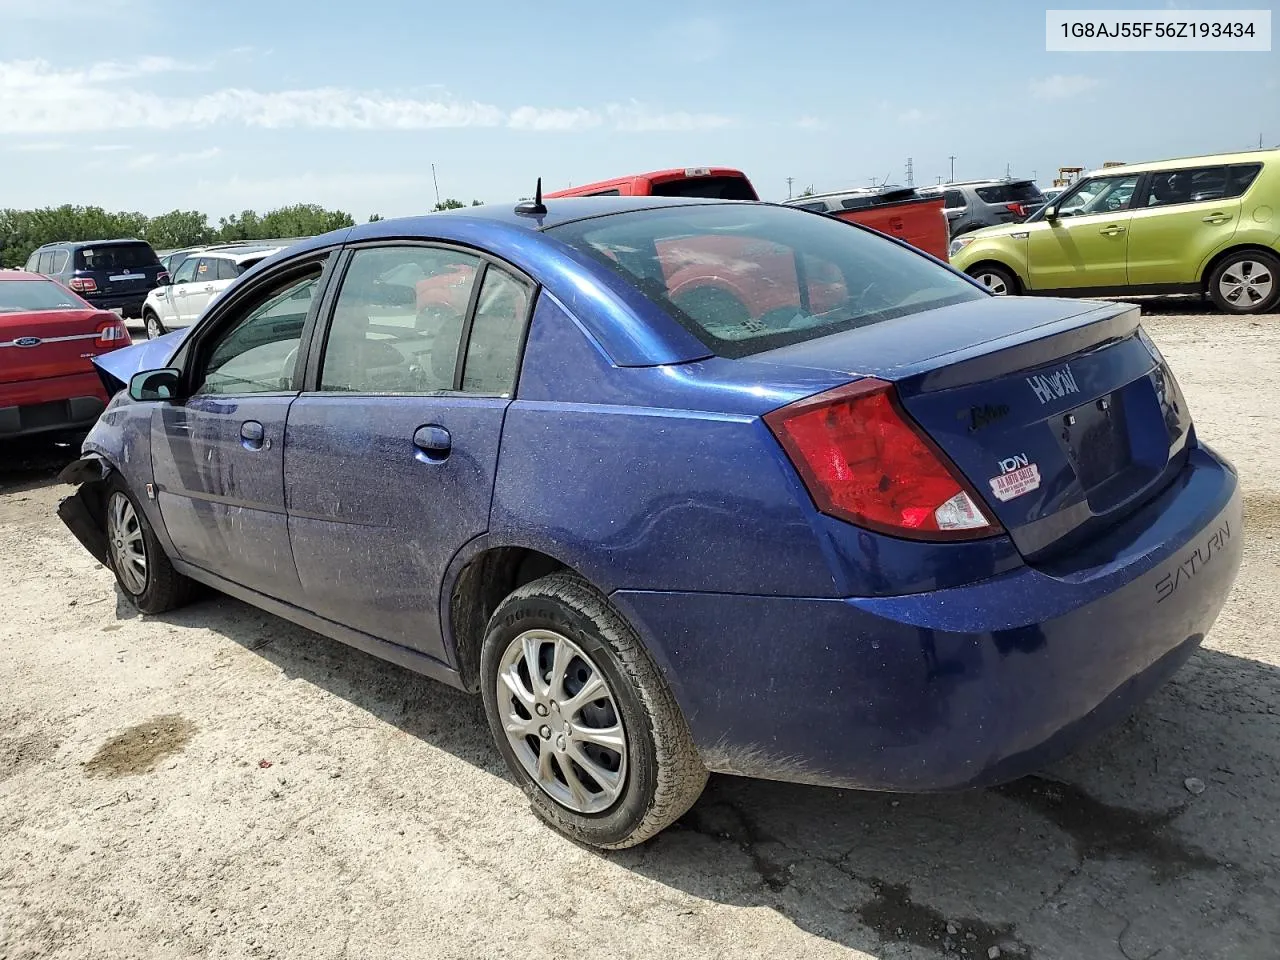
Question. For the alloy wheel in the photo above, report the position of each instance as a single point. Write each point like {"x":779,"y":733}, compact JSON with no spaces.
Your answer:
{"x":995,"y":283}
{"x":128,"y":548}
{"x":1246,"y":283}
{"x":562,"y":721}
{"x":153,"y":327}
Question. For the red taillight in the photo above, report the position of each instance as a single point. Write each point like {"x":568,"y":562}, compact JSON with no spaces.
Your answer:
{"x":113,"y":333}
{"x":83,"y":284}
{"x":1017,"y":209}
{"x":864,"y":461}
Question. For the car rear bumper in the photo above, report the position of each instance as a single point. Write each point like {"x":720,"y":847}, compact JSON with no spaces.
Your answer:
{"x":957,"y":688}
{"x":55,"y":403}
{"x":130,"y":304}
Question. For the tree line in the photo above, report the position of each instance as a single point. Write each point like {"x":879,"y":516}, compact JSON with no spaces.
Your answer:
{"x":22,"y":231}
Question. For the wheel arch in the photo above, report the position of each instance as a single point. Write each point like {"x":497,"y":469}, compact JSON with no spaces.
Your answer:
{"x":1214,"y":261}
{"x":976,"y":267}
{"x":481,"y":576}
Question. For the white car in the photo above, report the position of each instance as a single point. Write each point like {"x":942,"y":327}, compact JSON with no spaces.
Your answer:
{"x":199,"y":278}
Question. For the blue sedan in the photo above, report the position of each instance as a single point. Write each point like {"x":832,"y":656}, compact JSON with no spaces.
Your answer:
{"x":680,"y":486}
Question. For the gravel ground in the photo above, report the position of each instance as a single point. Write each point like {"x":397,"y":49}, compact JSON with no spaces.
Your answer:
{"x":220,"y":783}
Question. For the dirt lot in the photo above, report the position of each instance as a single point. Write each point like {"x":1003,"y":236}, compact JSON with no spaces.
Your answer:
{"x":219,"y":783}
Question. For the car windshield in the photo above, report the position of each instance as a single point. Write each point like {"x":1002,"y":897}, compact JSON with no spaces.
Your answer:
{"x":18,"y":296}
{"x":752,"y":277}
{"x":116,"y":256}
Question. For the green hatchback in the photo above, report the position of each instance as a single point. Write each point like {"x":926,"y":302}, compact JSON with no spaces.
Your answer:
{"x":1208,"y":225}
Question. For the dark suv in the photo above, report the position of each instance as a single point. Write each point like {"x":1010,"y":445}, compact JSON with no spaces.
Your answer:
{"x":974,"y":204}
{"x":110,"y":274}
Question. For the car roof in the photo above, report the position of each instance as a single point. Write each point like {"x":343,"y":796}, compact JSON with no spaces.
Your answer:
{"x":91,"y":243}
{"x":1182,"y":163}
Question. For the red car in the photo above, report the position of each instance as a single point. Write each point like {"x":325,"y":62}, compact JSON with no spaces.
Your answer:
{"x":48,"y":339}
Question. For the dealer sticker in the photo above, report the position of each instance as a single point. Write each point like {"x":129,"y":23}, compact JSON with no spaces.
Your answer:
{"x":1019,"y":477}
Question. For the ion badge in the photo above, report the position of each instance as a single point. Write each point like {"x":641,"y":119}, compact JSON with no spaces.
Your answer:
{"x":1019,"y":477}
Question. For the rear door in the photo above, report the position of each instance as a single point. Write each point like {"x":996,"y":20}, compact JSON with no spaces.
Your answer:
{"x":391,"y":454}
{"x":1180,"y":219}
{"x":1086,"y":245}
{"x":218,"y":456}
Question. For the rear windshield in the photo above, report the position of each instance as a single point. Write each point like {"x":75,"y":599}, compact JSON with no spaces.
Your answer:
{"x":744,"y":279}
{"x":1010,"y":193}
{"x":116,"y":256}
{"x":715,"y":188}
{"x":21,"y":295}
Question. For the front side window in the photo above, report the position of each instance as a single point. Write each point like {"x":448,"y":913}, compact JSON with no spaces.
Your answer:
{"x":1103,"y":195}
{"x":257,"y":352}
{"x":398,"y":320}
{"x":729,"y":274}
{"x":187,"y":272}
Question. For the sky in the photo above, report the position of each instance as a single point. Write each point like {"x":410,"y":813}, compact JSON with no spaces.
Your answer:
{"x":218,"y":107}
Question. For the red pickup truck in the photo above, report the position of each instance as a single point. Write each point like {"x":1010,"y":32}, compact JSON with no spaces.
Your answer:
{"x":896,"y":211}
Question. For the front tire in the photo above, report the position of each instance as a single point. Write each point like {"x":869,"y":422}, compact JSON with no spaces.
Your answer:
{"x":154,"y":327}
{"x":585,"y":722}
{"x":1246,"y":282}
{"x":999,"y":280}
{"x":140,"y":564}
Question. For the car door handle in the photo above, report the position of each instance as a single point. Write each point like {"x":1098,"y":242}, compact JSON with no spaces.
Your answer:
{"x":1216,"y":218}
{"x":252,"y":434}
{"x":1112,"y":231}
{"x":433,"y":443}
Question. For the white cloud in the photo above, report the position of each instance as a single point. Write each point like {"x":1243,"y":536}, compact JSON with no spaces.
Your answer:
{"x":635,"y":117}
{"x":38,"y":146}
{"x":143,"y":161}
{"x":914,"y":115}
{"x":535,"y":118}
{"x":36,"y":97}
{"x":812,"y":123}
{"x":1062,"y":86}
{"x":109,"y":147}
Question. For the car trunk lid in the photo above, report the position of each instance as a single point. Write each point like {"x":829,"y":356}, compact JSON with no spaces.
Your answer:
{"x":1061,"y":414}
{"x":50,"y":343}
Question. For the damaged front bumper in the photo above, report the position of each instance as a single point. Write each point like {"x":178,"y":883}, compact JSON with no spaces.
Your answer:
{"x":84,"y":512}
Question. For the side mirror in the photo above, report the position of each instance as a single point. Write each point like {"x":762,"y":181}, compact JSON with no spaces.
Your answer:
{"x":155,"y":384}
{"x":1051,"y":212}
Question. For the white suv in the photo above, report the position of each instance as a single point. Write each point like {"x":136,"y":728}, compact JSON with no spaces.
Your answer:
{"x":200,"y":278}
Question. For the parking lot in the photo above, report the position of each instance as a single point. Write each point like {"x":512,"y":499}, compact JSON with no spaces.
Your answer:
{"x":219,"y":783}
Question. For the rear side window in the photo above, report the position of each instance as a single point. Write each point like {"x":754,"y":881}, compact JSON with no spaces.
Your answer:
{"x":493,"y":347}
{"x":1009,"y":193}
{"x":398,"y":321}
{"x":1240,"y":177}
{"x":59,"y":263}
{"x":116,"y":256}
{"x":227,"y":270}
{"x":45,"y":264}
{"x":745,"y":279}
{"x":953,"y":198}
{"x":19,"y":295}
{"x":1196,"y":185}
{"x":717,"y":188}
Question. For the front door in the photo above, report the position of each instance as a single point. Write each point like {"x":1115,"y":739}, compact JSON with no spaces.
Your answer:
{"x":178,"y":291}
{"x":218,"y":457}
{"x":390,"y":460}
{"x":1086,"y":245}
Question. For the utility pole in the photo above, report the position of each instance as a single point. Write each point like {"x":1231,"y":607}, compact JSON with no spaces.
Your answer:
{"x":952,"y":158}
{"x":436,"y":183}
{"x":790,"y":181}
{"x":911,"y":177}
{"x":1008,"y":171}
{"x":939,"y":179}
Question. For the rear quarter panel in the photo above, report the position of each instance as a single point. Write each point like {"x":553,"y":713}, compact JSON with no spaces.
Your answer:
{"x":1259,"y":217}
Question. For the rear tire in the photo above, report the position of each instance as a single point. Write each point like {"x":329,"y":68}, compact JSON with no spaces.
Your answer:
{"x":1246,"y":282}
{"x":999,"y":280}
{"x":635,"y":746}
{"x":140,"y":564}
{"x":154,"y":327}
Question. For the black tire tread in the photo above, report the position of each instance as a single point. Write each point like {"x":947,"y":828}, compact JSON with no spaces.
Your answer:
{"x":681,"y":776}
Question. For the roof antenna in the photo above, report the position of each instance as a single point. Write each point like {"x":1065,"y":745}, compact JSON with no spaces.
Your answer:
{"x":534,"y":207}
